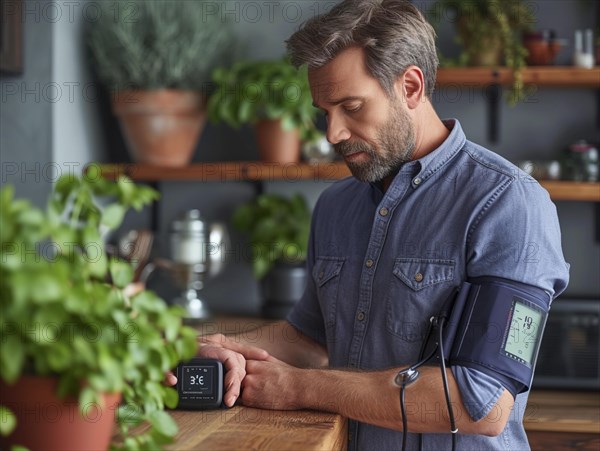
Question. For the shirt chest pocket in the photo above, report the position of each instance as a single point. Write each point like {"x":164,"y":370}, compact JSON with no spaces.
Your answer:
{"x":326,"y":274}
{"x":418,"y":287}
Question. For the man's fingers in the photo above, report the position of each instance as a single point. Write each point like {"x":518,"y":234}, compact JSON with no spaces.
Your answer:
{"x":235,"y":367}
{"x":248,"y":351}
{"x":232,"y":383}
{"x":170,"y":379}
{"x":272,"y":359}
{"x":234,"y":356}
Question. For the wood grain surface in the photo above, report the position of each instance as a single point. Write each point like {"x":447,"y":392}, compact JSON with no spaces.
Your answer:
{"x":563,"y":411}
{"x":252,"y":429}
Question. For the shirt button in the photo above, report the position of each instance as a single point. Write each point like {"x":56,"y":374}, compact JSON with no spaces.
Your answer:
{"x":361,"y":316}
{"x":417,"y":181}
{"x":383,"y":211}
{"x":321,"y":274}
{"x":369,"y":263}
{"x":418,"y":277}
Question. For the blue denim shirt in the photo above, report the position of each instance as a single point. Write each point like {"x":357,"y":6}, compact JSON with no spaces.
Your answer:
{"x":383,"y":264}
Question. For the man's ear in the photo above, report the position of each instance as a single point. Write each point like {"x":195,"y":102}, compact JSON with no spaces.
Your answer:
{"x":410,"y":86}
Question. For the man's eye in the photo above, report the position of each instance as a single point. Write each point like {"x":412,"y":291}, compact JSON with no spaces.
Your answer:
{"x":352,"y":109}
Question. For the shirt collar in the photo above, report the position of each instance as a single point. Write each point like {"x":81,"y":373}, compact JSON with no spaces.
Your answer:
{"x":426,"y":166}
{"x":435,"y":160}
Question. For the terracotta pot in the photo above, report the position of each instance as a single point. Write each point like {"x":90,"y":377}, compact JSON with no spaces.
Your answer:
{"x":45,"y":421}
{"x":489,"y":51}
{"x":276,"y":145}
{"x":161,"y":127}
{"x":541,"y":53}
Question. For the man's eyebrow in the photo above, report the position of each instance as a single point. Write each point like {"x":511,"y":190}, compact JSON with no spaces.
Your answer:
{"x":338,"y":101}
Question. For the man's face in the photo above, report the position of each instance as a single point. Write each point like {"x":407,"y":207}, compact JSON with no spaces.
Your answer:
{"x":372,"y":132}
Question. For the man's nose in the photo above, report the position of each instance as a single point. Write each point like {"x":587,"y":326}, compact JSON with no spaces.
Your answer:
{"x":337,"y":130}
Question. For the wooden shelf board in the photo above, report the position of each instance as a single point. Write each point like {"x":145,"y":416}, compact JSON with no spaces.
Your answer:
{"x":565,"y":190}
{"x":543,"y":76}
{"x":228,"y":172}
{"x":244,"y":171}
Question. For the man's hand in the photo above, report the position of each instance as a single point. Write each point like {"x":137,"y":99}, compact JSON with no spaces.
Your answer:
{"x":233,"y":355}
{"x":271,"y":384}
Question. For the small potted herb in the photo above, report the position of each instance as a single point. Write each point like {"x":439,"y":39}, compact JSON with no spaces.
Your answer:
{"x":490,"y":34}
{"x":156,"y":57}
{"x":278,"y":228}
{"x":73,"y":333}
{"x":273,"y":96}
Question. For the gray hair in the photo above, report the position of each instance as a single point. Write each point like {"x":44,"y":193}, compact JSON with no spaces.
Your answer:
{"x":393,"y":33}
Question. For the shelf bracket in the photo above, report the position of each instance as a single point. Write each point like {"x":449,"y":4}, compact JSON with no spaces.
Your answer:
{"x":259,"y":187}
{"x":494,"y":95}
{"x":598,"y":105}
{"x":155,"y":208}
{"x":257,"y":184}
{"x":597,"y":222}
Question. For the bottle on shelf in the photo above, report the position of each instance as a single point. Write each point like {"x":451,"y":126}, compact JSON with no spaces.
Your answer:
{"x":584,"y":56}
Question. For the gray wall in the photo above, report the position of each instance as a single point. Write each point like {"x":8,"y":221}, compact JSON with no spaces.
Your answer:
{"x":26,"y":116}
{"x":68,"y":134}
{"x":48,"y":116}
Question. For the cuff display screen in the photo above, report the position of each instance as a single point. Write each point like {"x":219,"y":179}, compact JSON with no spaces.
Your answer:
{"x":525,"y":329}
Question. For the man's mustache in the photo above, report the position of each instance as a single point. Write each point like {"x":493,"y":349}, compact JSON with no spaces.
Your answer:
{"x":345,"y":148}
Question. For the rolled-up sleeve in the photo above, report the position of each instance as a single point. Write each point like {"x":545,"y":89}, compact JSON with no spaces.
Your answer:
{"x":516,"y":237}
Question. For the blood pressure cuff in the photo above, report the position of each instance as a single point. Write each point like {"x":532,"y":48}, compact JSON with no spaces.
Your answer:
{"x":496,"y":326}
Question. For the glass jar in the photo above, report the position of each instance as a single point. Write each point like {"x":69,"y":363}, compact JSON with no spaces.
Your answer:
{"x":581,"y":162}
{"x":188,"y":239}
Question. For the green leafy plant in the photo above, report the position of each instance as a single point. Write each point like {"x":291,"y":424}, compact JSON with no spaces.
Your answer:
{"x":250,"y":91}
{"x":489,"y":26}
{"x":153,"y":44}
{"x":56,"y":276}
{"x":278,"y":229}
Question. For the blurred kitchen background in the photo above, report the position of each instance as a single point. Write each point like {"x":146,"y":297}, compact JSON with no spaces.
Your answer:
{"x":55,"y":117}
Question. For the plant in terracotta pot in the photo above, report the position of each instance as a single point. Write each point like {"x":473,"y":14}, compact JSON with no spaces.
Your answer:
{"x":79,"y":348}
{"x":156,"y":57}
{"x":277,"y":229}
{"x":490,"y":34}
{"x":272,"y":95}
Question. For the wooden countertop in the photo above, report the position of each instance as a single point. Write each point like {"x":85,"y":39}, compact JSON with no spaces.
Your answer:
{"x":247,"y":428}
{"x":548,"y":412}
{"x":563,"y":411}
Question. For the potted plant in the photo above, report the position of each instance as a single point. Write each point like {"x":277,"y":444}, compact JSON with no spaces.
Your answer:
{"x":156,"y":57}
{"x":278,"y":229}
{"x":272,"y":95}
{"x":490,"y":34}
{"x":74,"y":336}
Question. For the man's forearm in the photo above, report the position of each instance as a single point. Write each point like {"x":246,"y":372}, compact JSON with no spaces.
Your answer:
{"x":373,"y":397}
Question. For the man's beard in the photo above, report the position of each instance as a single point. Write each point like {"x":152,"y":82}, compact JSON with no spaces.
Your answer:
{"x":395,"y":142}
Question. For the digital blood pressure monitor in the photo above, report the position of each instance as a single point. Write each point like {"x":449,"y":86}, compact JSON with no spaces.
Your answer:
{"x":200,"y":384}
{"x":489,"y":324}
{"x":497,"y":327}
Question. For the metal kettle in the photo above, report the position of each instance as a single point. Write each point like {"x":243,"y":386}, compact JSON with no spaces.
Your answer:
{"x":197,"y":253}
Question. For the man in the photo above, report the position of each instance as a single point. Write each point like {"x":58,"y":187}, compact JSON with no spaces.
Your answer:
{"x":425,"y":211}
